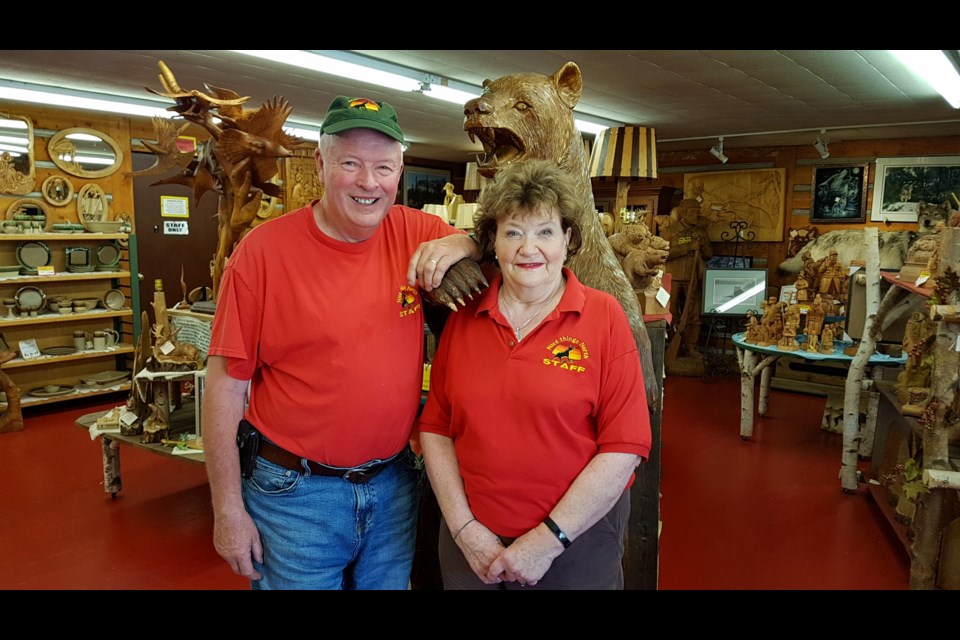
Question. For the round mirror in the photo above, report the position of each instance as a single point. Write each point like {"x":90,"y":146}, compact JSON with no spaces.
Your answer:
{"x":28,"y":213}
{"x":16,"y":155}
{"x":57,"y":190}
{"x":85,"y":152}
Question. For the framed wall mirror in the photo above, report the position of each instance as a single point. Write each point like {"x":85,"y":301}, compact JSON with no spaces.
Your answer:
{"x":30,"y":213}
{"x":17,"y":176}
{"x":57,"y":190}
{"x":86,"y":153}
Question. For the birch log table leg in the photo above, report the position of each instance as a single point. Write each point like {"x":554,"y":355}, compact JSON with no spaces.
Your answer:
{"x":748,"y":375}
{"x":111,"y":466}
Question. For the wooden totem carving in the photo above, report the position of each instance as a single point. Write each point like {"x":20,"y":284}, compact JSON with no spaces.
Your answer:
{"x":239,"y":161}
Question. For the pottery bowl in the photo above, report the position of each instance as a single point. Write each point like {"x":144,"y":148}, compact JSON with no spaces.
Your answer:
{"x":52,"y":388}
{"x":102,"y":226}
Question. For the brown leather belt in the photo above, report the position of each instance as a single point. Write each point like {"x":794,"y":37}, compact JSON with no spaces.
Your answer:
{"x":356,"y":475}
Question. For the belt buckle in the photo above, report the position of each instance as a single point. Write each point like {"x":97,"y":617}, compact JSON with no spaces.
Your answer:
{"x":360,"y":475}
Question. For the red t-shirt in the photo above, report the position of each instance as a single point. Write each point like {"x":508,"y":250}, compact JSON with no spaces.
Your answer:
{"x":526,"y":417}
{"x":329,"y":333}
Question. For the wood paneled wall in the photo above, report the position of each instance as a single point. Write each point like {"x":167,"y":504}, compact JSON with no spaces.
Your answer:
{"x":798,"y":161}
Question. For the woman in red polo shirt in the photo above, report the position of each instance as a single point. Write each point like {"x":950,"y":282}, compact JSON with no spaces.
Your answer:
{"x":536,"y":417}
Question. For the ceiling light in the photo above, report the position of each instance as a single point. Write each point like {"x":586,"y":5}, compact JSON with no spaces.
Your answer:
{"x":717,"y":151}
{"x":61,"y":97}
{"x":936,"y":68}
{"x":821,"y":146}
{"x":336,"y":66}
{"x":448,"y":94}
{"x":357,"y":67}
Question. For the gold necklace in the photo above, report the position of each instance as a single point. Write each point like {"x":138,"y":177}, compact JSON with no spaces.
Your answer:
{"x":518,"y":330}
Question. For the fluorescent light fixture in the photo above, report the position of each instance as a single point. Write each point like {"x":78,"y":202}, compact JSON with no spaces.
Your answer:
{"x":356,"y":67}
{"x":306,"y":134}
{"x":60,"y":97}
{"x":717,"y":151}
{"x":334,"y":66}
{"x":592,"y":127}
{"x":14,"y":151}
{"x":935,"y":67}
{"x":448,"y":94}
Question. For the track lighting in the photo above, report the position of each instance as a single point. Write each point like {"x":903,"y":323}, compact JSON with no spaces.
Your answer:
{"x":821,"y":146}
{"x":717,"y":152}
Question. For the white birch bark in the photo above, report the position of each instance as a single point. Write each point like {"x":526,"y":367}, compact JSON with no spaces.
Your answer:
{"x":868,"y":344}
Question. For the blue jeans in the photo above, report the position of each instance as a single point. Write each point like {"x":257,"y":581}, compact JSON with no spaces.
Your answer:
{"x":323,"y":532}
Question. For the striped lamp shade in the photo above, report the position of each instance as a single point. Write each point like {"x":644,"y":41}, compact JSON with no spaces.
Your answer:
{"x":624,"y":152}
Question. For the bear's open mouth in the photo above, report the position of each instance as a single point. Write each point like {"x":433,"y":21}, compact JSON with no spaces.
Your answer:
{"x":500,"y":146}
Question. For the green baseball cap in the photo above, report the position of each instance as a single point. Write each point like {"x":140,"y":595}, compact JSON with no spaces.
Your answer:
{"x":361,"y":113}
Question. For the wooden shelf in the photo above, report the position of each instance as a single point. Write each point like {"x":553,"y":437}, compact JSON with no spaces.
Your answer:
{"x":47,"y":318}
{"x":83,"y":355}
{"x":888,"y":391}
{"x":892,"y":278}
{"x":26,"y":400}
{"x":71,"y":237}
{"x":879,"y":494}
{"x":64,"y":277}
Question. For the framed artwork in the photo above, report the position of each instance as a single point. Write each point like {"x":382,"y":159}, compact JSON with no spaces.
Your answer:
{"x":839,"y":194}
{"x":733,"y":292}
{"x":423,"y":186}
{"x":901,"y":184}
{"x":749,"y":203}
{"x":729,"y":262}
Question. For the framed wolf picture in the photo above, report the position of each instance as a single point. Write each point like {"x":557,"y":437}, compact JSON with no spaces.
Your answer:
{"x":902,"y":184}
{"x":838,"y":194}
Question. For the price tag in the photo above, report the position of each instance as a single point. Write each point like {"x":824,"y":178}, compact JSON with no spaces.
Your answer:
{"x":29,"y":349}
{"x":924,"y":276}
{"x":46,"y":271}
{"x":167,"y":348}
{"x":128,"y":417}
{"x":663,"y":297}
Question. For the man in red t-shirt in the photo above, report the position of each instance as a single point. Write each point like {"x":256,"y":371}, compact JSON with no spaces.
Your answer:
{"x":320,"y":316}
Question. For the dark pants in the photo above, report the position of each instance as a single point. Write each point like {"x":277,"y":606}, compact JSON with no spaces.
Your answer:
{"x":593,"y":561}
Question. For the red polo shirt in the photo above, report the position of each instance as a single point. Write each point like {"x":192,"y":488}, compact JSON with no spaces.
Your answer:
{"x":527,"y":416}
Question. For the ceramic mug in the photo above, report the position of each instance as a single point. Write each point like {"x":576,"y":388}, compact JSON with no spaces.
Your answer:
{"x":99,"y":340}
{"x":79,"y":340}
{"x":113,"y":337}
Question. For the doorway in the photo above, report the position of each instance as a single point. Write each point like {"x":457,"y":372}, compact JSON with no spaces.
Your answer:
{"x":166,"y":249}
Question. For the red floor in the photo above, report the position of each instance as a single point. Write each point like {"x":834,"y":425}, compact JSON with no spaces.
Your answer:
{"x":763,"y":514}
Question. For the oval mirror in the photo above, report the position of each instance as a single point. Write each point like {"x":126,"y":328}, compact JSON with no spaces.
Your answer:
{"x":85,"y":152}
{"x":17,"y":175}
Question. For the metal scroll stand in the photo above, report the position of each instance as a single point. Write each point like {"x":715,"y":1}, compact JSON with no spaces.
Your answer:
{"x":719,"y":361}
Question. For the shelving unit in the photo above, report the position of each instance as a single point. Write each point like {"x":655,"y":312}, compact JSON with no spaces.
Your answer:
{"x":901,"y":437}
{"x":51,"y":329}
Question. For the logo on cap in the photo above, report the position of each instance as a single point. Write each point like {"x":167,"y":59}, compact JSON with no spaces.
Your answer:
{"x":366,"y":103}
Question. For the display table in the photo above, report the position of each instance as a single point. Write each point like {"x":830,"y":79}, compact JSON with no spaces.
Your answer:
{"x":181,"y":420}
{"x":748,"y":355}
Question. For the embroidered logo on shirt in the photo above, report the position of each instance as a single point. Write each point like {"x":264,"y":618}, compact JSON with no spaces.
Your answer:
{"x":409,"y":300}
{"x":567,"y":353}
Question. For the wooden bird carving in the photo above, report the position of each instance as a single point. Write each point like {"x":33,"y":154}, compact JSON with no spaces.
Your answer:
{"x":255,"y":139}
{"x":169,"y":157}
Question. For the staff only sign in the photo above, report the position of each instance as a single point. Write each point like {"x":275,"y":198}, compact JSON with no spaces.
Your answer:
{"x":175,"y":228}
